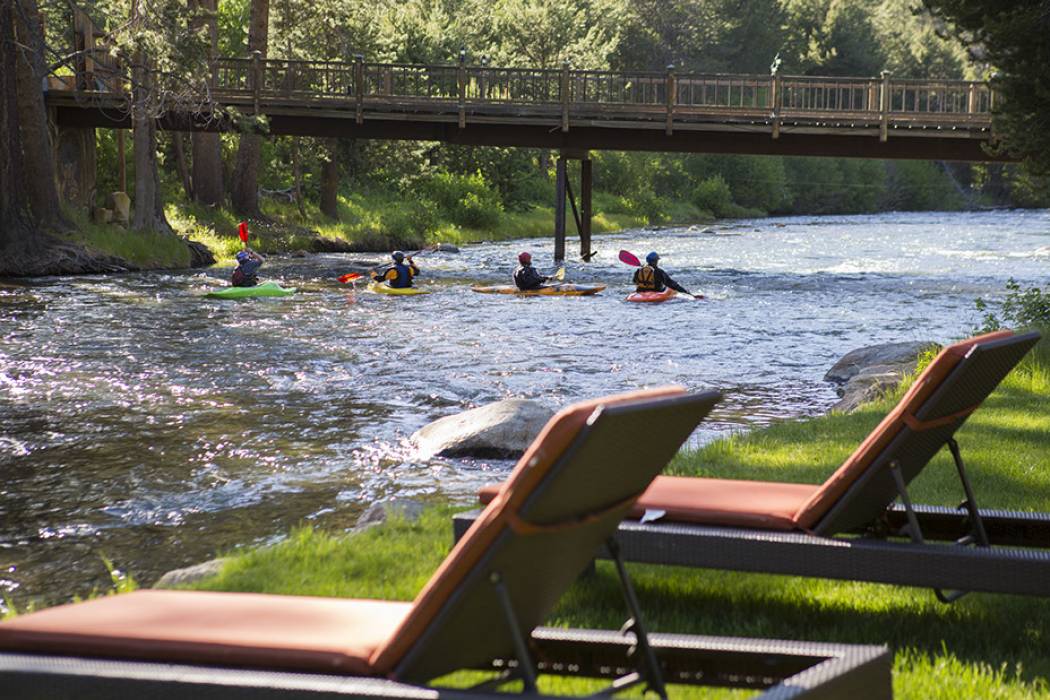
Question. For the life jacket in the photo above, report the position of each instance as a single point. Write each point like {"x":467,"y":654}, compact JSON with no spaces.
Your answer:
{"x":403,"y":276}
{"x":526,"y":277}
{"x":647,"y":279}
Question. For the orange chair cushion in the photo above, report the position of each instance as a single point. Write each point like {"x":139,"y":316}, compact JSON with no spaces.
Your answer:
{"x":537,"y":461}
{"x":238,"y":629}
{"x":734,"y":503}
{"x":868,"y":451}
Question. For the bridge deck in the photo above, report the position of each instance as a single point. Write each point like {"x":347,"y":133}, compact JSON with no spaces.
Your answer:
{"x":567,"y":109}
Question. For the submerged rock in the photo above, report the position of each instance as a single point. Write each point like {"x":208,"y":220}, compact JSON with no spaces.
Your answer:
{"x":191,"y":574}
{"x":869,"y":372}
{"x":500,"y":430}
{"x":447,"y":248}
{"x":381,"y":511}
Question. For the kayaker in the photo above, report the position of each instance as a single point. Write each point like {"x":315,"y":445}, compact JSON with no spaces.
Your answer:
{"x":651,"y":278}
{"x":246,"y":272}
{"x":399,"y":275}
{"x":526,"y":277}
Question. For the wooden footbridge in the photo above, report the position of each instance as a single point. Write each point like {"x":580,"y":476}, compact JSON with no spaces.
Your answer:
{"x":573,"y":111}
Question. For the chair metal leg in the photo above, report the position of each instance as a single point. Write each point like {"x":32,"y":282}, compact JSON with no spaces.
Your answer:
{"x":526,"y":667}
{"x":971,"y":501}
{"x":916,"y":531}
{"x":651,"y":667}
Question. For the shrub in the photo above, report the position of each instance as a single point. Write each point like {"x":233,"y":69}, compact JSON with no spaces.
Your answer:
{"x":1021,"y":308}
{"x":713,"y":195}
{"x":466,"y":200}
{"x":411,"y":220}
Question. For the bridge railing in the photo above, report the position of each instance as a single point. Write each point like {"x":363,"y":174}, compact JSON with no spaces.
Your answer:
{"x":589,"y":92}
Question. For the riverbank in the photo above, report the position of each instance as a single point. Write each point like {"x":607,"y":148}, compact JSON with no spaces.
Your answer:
{"x":367,"y":223}
{"x":982,"y":646}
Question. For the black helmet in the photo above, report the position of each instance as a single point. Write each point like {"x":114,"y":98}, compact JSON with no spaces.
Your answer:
{"x":397,"y":255}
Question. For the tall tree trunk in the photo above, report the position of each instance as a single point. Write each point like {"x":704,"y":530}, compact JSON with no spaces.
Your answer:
{"x":181,"y":165}
{"x":149,"y":207}
{"x":245,"y":190}
{"x":330,"y":180}
{"x":297,"y":176}
{"x":39,"y":157}
{"x":208,"y":185}
{"x":14,"y":198}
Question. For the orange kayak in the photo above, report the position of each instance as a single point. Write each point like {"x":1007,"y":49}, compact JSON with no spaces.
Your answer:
{"x":651,"y":297}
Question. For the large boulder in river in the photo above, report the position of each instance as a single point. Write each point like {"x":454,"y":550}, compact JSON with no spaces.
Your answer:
{"x":867,"y":373}
{"x":500,"y":430}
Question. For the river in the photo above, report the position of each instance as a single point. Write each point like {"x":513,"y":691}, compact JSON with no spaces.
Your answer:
{"x":142,"y":423}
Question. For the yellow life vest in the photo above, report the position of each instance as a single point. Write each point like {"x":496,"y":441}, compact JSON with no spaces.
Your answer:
{"x":645,"y":278}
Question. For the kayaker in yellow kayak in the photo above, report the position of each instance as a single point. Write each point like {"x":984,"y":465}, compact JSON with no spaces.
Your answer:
{"x":399,"y":275}
{"x":526,"y":277}
{"x":651,"y":278}
{"x":246,"y":272}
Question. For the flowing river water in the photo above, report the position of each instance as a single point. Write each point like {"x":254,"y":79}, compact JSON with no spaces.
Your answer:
{"x":145,"y":424}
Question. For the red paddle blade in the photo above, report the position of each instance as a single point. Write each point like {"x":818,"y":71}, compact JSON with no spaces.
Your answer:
{"x":349,"y":277}
{"x":628,"y":259}
{"x":242,"y":231}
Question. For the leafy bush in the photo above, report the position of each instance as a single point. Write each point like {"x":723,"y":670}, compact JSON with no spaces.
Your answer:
{"x":648,"y":205}
{"x":713,"y":195}
{"x":465,"y":199}
{"x":411,"y":220}
{"x":1021,"y":308}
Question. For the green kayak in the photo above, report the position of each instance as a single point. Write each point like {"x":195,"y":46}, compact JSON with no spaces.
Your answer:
{"x":266,"y":289}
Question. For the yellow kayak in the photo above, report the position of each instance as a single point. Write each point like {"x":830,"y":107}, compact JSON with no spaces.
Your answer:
{"x":380,"y":288}
{"x":553,"y":290}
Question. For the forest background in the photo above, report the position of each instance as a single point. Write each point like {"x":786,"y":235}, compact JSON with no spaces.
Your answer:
{"x":375,"y":195}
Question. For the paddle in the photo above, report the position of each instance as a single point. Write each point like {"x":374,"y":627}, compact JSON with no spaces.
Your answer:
{"x":560,"y":274}
{"x":628,"y":258}
{"x":242,"y":232}
{"x":349,"y":277}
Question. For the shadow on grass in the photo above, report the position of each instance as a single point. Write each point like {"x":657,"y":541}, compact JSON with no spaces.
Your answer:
{"x":981,"y":628}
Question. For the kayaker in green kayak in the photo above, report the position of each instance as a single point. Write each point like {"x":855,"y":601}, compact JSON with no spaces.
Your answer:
{"x":246,"y":272}
{"x":651,"y":278}
{"x":526,"y":278}
{"x":399,"y":275}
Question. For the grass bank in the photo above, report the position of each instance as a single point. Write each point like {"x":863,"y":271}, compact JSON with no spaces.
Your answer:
{"x":984,"y":646}
{"x":380,"y":222}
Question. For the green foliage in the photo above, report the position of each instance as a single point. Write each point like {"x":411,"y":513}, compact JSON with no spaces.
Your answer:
{"x":713,"y":195}
{"x":1020,"y":308}
{"x":918,"y":185}
{"x":466,"y":199}
{"x":1012,"y":37}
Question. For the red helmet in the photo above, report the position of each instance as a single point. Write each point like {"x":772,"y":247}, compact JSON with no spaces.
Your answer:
{"x":524,"y":258}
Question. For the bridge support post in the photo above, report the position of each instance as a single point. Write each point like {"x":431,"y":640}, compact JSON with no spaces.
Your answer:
{"x":559,"y":210}
{"x":585,"y":209}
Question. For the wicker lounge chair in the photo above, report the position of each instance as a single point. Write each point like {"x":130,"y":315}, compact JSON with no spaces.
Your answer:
{"x":479,"y":611}
{"x":849,"y":527}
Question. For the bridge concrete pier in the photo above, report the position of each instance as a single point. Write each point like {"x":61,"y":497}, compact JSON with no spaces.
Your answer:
{"x":581,"y":214}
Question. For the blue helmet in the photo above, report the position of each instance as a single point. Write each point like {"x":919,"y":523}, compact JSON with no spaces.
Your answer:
{"x":242,"y":256}
{"x":652,"y":257}
{"x":397,"y":255}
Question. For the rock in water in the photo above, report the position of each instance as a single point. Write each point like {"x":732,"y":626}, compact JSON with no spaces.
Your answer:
{"x":887,"y":354}
{"x":381,"y":511}
{"x":191,"y":574}
{"x":500,"y":430}
{"x":866,"y":373}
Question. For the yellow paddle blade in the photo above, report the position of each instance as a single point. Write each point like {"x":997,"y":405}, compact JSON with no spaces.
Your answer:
{"x":560,"y":274}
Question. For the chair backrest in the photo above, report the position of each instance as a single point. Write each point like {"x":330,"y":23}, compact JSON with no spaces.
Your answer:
{"x":566,"y":496}
{"x":937,"y":404}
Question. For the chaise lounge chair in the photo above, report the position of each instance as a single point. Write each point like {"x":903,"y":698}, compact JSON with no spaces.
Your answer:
{"x":849,"y":527}
{"x":479,"y":611}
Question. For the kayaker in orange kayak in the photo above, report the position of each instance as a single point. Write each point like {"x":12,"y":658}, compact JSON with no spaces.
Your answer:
{"x":650,"y":277}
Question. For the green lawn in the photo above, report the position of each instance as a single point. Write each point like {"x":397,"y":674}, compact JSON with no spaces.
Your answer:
{"x":984,"y":646}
